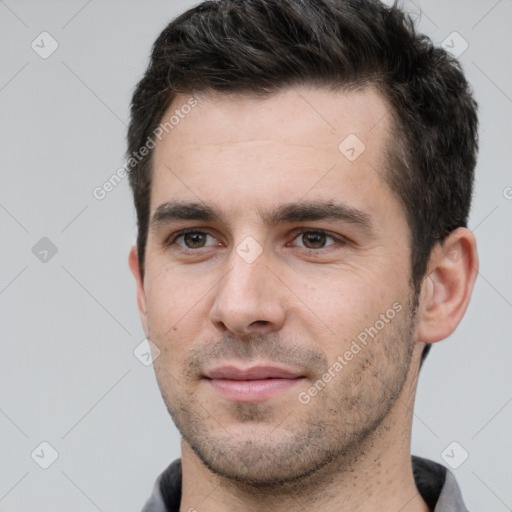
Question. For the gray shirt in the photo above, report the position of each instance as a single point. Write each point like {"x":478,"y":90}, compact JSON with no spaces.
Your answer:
{"x":435,"y":483}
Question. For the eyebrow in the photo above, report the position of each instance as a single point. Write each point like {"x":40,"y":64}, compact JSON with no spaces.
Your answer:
{"x":291,"y":212}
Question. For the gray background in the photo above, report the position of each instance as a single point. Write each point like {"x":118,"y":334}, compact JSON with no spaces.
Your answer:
{"x":69,"y":323}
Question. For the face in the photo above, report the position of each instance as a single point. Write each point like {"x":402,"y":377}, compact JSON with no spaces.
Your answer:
{"x":277,"y":280}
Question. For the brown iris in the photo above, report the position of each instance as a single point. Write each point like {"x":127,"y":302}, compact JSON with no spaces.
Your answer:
{"x":314,"y":239}
{"x":194,"y":240}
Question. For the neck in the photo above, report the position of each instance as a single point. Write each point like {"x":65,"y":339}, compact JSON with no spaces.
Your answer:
{"x":378,"y":476}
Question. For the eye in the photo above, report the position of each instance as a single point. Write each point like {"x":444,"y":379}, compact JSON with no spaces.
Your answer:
{"x":315,"y":239}
{"x":193,"y":239}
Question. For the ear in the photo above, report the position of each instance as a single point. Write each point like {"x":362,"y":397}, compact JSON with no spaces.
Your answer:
{"x":133,"y":261}
{"x":447,"y":286}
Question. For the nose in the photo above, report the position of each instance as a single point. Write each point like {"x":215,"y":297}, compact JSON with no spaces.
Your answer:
{"x":249,"y":299}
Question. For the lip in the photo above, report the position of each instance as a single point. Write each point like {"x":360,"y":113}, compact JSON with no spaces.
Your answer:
{"x":252,"y":373}
{"x":255,"y":384}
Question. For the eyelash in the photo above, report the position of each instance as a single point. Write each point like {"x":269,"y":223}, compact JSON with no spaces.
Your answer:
{"x":338,"y":239}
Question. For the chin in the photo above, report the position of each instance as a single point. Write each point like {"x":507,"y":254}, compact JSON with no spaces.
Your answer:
{"x":259,"y":456}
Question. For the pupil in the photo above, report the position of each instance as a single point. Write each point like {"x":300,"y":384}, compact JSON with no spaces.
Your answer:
{"x":314,"y":240}
{"x":194,"y":240}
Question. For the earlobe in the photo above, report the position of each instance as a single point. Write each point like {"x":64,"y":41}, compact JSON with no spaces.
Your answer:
{"x":133,"y":262}
{"x":447,"y":287}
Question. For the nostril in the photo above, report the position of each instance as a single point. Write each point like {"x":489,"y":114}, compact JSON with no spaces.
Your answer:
{"x":260,"y":322}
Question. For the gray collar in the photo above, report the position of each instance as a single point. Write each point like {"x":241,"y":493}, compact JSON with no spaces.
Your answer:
{"x":435,"y":483}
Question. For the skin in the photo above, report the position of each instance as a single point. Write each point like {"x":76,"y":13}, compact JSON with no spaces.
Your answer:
{"x":300,"y":304}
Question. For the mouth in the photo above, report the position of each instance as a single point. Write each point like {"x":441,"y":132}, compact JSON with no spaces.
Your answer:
{"x":254,"y":384}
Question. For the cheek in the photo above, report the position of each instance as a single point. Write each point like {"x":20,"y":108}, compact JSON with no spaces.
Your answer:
{"x":173,"y":303}
{"x":340,"y":306}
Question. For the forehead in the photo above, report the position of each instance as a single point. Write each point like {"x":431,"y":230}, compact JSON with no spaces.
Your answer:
{"x":288,"y":115}
{"x":296,"y":142}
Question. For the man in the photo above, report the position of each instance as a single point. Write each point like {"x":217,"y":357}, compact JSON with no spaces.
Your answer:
{"x":302,"y":173}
